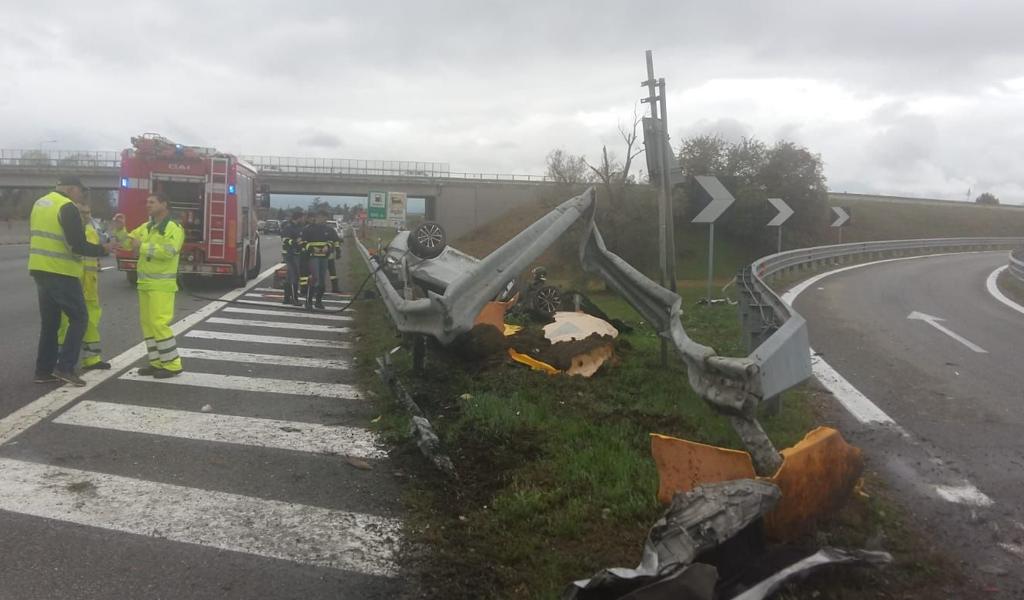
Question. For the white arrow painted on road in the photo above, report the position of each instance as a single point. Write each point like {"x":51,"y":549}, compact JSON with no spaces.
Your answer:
{"x":785,"y":212}
{"x":934,"y":322}
{"x":841,"y":216}
{"x":721,"y":199}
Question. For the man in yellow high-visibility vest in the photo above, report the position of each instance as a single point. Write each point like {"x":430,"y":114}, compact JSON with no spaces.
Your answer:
{"x":56,"y":244}
{"x":158,"y":243}
{"x":91,"y":355}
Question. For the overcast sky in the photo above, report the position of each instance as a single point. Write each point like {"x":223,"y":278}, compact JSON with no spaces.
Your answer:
{"x":898,"y":97}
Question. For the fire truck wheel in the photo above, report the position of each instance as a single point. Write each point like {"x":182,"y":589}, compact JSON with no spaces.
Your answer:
{"x":255,"y":270}
{"x":427,"y":240}
{"x":132,"y":277}
{"x":243,"y":273}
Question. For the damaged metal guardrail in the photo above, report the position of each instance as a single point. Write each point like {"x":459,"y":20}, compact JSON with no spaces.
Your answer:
{"x":777,"y":337}
{"x":1017,"y":264}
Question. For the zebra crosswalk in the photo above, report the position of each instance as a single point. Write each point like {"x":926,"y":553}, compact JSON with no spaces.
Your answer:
{"x":283,"y":399}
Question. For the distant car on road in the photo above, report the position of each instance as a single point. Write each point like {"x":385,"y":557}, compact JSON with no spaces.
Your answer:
{"x":273,"y":226}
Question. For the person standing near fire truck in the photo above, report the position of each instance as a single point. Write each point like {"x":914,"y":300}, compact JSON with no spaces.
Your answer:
{"x":158,"y":243}
{"x":56,"y":244}
{"x":291,"y":252}
{"x":91,"y":358}
{"x":318,"y":240}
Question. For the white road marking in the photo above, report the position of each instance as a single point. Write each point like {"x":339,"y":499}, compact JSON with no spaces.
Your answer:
{"x":1014,"y":549}
{"x":264,"y":339}
{"x":965,"y":493}
{"x":253,"y":384}
{"x":303,"y":534}
{"x":265,"y":296}
{"x":278,"y":292}
{"x":287,"y":313}
{"x":934,"y":322}
{"x":277,"y":325}
{"x":229,"y":429}
{"x":856,"y":403}
{"x":279,"y":305}
{"x":15,"y":423}
{"x":263,"y":359}
{"x":992,"y":285}
{"x":106,"y":268}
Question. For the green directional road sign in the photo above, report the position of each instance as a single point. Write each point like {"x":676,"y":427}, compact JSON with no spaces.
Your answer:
{"x":377,"y":205}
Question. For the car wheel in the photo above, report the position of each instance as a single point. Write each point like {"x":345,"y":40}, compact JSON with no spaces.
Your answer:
{"x":547,"y":300}
{"x":427,"y":240}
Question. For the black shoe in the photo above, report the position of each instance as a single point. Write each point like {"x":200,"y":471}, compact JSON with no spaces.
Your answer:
{"x":71,"y":378}
{"x":102,"y":366}
{"x":297,"y":302}
{"x":164,"y":374}
{"x":46,"y":378}
{"x":149,"y":371}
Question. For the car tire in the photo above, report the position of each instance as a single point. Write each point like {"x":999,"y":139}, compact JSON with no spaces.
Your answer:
{"x":427,"y":240}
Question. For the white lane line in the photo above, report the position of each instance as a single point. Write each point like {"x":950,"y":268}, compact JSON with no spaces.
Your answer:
{"x":277,"y":325}
{"x":268,"y":296}
{"x":279,"y":305}
{"x":298,"y":314}
{"x":253,"y":384}
{"x":294,"y":532}
{"x":992,"y":285}
{"x":265,"y":339}
{"x":934,"y":322}
{"x":965,"y":493}
{"x":278,"y":292}
{"x":262,"y":359}
{"x":106,"y":268}
{"x":856,"y":403}
{"x":15,"y":423}
{"x":229,"y":429}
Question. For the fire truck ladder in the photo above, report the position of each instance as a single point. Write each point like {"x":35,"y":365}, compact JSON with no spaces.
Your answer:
{"x":217,"y":207}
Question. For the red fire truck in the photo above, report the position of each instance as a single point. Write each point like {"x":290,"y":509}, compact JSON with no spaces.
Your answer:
{"x":211,"y":194}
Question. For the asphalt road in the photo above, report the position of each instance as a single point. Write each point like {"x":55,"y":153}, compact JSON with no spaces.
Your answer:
{"x":119,"y":326}
{"x":254,"y":474}
{"x":957,"y":393}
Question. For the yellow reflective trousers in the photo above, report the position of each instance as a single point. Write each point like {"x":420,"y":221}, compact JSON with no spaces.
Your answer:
{"x":156,"y":309}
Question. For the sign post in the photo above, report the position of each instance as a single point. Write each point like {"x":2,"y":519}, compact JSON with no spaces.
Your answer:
{"x":785,"y":212}
{"x":721,"y":199}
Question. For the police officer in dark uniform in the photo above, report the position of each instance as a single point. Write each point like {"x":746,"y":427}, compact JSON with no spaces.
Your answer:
{"x":319,"y":241}
{"x":291,"y":253}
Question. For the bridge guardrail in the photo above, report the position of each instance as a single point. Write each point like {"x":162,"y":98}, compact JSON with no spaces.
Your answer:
{"x":268,"y":165}
{"x":1016,"y":264}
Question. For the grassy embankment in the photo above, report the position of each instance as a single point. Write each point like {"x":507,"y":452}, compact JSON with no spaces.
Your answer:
{"x":556,"y":479}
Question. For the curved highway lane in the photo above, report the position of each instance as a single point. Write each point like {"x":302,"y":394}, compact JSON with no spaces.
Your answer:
{"x":926,"y":343}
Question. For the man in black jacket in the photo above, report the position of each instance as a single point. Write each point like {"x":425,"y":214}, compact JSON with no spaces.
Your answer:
{"x":291,"y":252}
{"x":57,"y":243}
{"x":319,"y":241}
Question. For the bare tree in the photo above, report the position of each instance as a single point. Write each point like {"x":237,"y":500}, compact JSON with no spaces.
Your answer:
{"x":612,"y":174}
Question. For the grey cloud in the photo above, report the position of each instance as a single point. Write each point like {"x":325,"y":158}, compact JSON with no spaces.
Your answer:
{"x":322,"y":140}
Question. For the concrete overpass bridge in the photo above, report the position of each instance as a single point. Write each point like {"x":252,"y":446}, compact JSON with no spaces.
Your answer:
{"x":459,"y":201}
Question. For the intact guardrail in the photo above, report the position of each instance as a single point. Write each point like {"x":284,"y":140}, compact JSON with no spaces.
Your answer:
{"x":1017,"y":264}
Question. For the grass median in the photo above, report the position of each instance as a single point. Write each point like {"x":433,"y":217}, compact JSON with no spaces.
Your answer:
{"x":555,"y":475}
